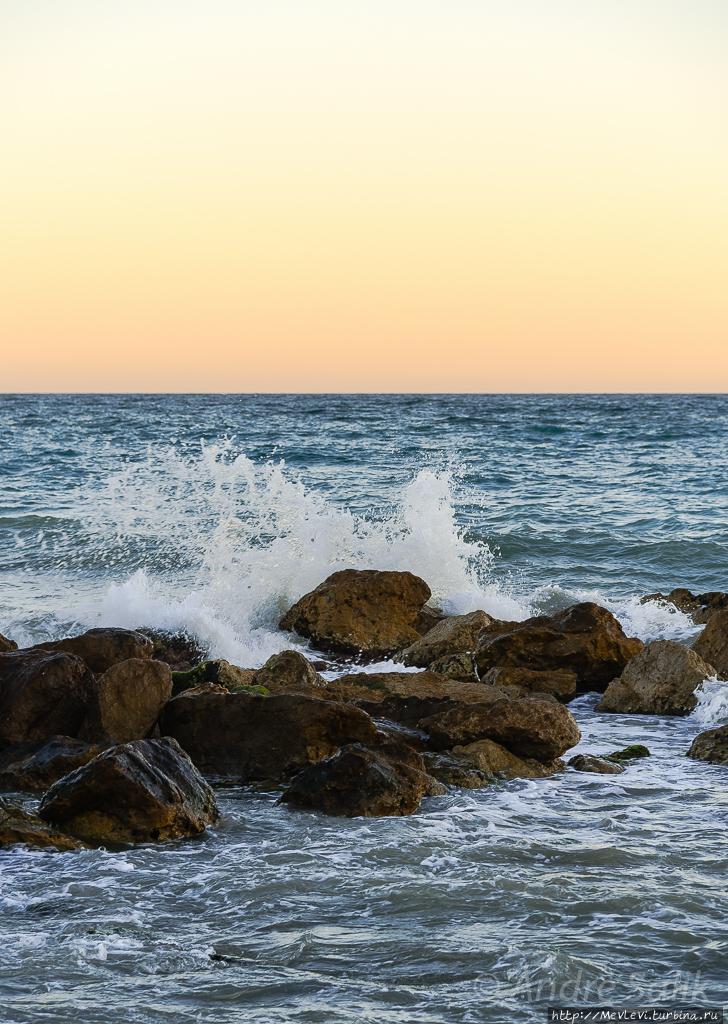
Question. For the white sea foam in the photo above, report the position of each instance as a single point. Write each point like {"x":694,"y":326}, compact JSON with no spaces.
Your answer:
{"x":712,"y":707}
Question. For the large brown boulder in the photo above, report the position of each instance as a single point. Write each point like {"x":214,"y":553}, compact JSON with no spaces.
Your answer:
{"x":144,"y":791}
{"x":700,"y":607}
{"x":290,"y":672}
{"x":561,"y":683}
{"x":19,"y":825}
{"x":584,"y":639}
{"x":360,"y":782}
{"x":38,"y":766}
{"x":528,"y":728}
{"x":660,"y":680}
{"x":42,"y":695}
{"x":7,"y":645}
{"x":254,"y":737}
{"x":456,"y":634}
{"x":430,"y":685}
{"x":101,"y":648}
{"x":712,"y":644}
{"x":711,"y":746}
{"x":361,"y":612}
{"x":499,"y":763}
{"x":126,"y":701}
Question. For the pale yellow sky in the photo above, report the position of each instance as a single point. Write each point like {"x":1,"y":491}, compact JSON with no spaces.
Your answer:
{"x":387,"y":195}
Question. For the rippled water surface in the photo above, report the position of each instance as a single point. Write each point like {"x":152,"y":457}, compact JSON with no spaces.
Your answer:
{"x":213,"y":513}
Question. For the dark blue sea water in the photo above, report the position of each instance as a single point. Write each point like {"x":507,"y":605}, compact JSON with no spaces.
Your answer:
{"x":213,"y":513}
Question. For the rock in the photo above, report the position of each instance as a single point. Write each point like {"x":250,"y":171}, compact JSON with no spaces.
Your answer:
{"x":19,"y":826}
{"x":290,"y":672}
{"x":255,"y":737}
{"x":449,"y":770}
{"x":520,"y":693}
{"x":456,"y":666}
{"x":427,"y":618}
{"x":101,"y":648}
{"x":660,"y":680}
{"x":712,"y":644}
{"x":406,"y":711}
{"x":381,"y":685}
{"x":456,"y":634}
{"x":395,"y":733}
{"x":358,"y":782}
{"x":711,"y":746}
{"x":220,"y":673}
{"x":361,"y":612}
{"x":700,"y":607}
{"x":596,"y":765}
{"x":584,"y":639}
{"x":43,"y":764}
{"x":144,"y":791}
{"x":126,"y":701}
{"x":628,"y":754}
{"x":434,"y":787}
{"x":179,"y":650}
{"x":7,"y":645}
{"x":499,"y":763}
{"x":562,"y":683}
{"x":42,"y":695}
{"x":527,"y":728}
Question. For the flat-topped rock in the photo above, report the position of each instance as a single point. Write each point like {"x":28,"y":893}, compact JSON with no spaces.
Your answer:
{"x":101,"y":648}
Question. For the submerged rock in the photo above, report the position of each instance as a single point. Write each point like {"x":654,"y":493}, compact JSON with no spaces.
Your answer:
{"x":144,"y":791}
{"x":630,"y":753}
{"x":42,"y":694}
{"x":360,"y":782}
{"x":37,"y":766}
{"x":560,"y":683}
{"x":700,"y":607}
{"x":101,"y":649}
{"x":660,"y":680}
{"x":20,"y":826}
{"x":7,"y":645}
{"x":255,"y":737}
{"x":289,"y":672}
{"x":595,"y":765}
{"x":454,"y":635}
{"x":584,"y":639}
{"x":361,"y":612}
{"x":712,"y":644}
{"x":126,"y":701}
{"x":527,"y":728}
{"x":711,"y":746}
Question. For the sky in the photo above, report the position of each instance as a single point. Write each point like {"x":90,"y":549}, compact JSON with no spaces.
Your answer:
{"x":380,"y":195}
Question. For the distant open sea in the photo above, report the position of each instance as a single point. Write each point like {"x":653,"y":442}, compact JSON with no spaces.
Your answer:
{"x":213,"y":513}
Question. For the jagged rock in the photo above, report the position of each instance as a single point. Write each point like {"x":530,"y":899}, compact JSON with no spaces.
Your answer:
{"x":358,"y":782}
{"x":143,"y":791}
{"x":660,"y":680}
{"x":595,"y":765}
{"x":290,"y":672}
{"x":561,"y":683}
{"x":711,"y":746}
{"x":584,"y":639}
{"x":37,"y":766}
{"x":700,"y":607}
{"x":255,"y":737}
{"x":219,"y":672}
{"x":456,"y":666}
{"x":126,"y":701}
{"x":179,"y":650}
{"x":449,"y":770}
{"x":497,"y":762}
{"x":7,"y":645}
{"x":361,"y":612}
{"x":42,"y":695}
{"x":456,"y":634}
{"x":20,"y":826}
{"x":712,"y":644}
{"x":101,"y":648}
{"x":527,"y":728}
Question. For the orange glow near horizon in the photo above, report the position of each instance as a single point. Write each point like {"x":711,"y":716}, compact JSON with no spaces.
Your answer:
{"x":437,"y":197}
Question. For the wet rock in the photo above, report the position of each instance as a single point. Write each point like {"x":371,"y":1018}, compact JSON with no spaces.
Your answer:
{"x":584,"y":639}
{"x":253,"y":737}
{"x":660,"y":680}
{"x":434,"y":787}
{"x":630,"y":753}
{"x":407,"y":711}
{"x":449,"y":770}
{"x":521,"y":693}
{"x":456,"y":634}
{"x":361,"y":612}
{"x":426,"y":685}
{"x":20,"y":826}
{"x":700,"y":607}
{"x":712,"y":644}
{"x":561,"y":683}
{"x":7,"y":645}
{"x":711,"y":746}
{"x":527,"y":728}
{"x":289,"y":672}
{"x":126,"y":701}
{"x":595,"y":765}
{"x":40,"y":766}
{"x":499,"y":763}
{"x":358,"y":782}
{"x":179,"y":650}
{"x":428,"y":618}
{"x":456,"y":666}
{"x":101,"y":648}
{"x":42,"y":695}
{"x":219,"y":672}
{"x":400,"y":735}
{"x":144,"y":791}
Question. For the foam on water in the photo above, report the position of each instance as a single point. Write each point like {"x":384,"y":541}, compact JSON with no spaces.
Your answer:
{"x":712,"y":707}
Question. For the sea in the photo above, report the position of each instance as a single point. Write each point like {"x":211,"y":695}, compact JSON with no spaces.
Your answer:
{"x":212,"y":514}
